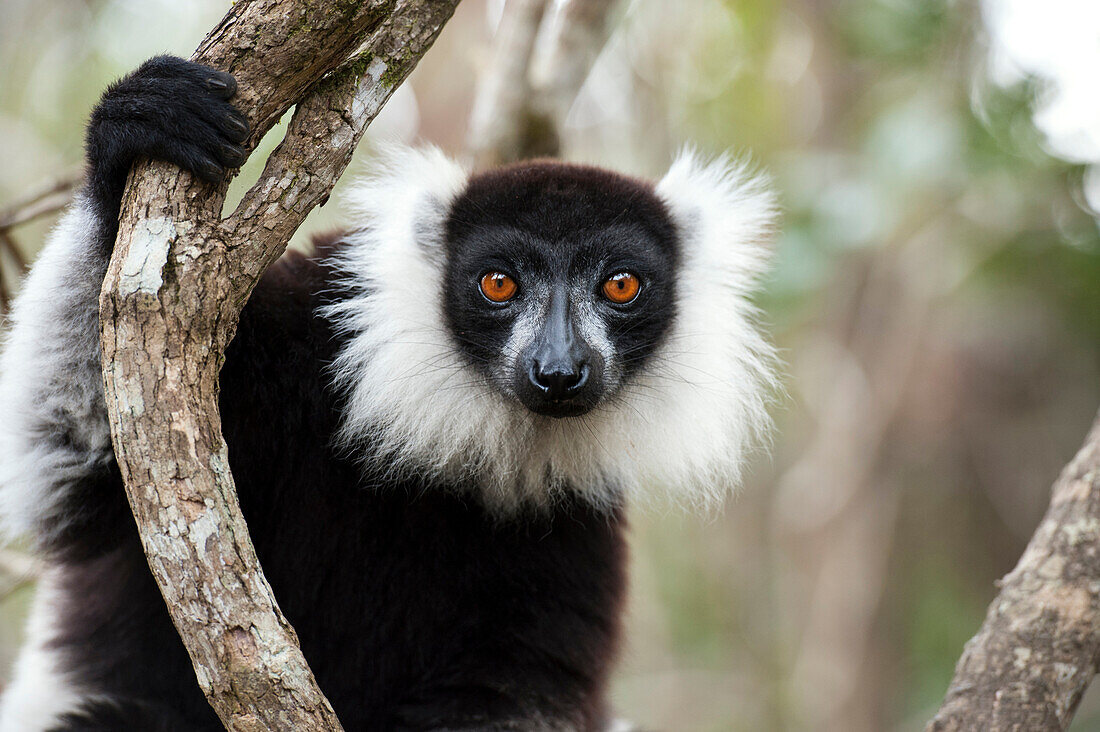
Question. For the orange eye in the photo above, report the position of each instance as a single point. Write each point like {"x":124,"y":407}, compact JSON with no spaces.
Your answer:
{"x":621,"y":288}
{"x":498,"y":287}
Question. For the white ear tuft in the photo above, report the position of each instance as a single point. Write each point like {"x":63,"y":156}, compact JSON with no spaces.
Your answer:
{"x":407,"y":192}
{"x":725,"y":215}
{"x":397,"y":356}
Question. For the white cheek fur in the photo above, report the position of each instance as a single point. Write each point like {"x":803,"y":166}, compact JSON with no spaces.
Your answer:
{"x":680,"y":430}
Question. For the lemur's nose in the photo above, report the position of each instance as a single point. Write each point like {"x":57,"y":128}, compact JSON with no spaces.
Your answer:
{"x":559,"y":380}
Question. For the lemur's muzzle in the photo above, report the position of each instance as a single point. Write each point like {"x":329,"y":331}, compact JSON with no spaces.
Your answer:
{"x":562,"y":373}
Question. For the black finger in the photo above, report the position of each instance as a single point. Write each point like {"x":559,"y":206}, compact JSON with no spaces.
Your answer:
{"x":221,"y":84}
{"x":231,"y":155}
{"x":209,"y":170}
{"x":234,"y":125}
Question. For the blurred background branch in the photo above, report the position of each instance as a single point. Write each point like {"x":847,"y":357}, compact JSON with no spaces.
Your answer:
{"x":835,"y":503}
{"x":497,"y":131}
{"x":46,"y":200}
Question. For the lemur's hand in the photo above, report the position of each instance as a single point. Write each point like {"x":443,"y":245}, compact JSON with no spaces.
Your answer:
{"x":168,"y":109}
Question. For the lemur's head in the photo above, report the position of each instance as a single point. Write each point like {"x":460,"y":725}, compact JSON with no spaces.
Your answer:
{"x":549,"y":327}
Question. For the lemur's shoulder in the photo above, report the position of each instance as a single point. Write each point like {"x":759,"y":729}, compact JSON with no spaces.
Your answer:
{"x":299,"y":270}
{"x":304,"y":278}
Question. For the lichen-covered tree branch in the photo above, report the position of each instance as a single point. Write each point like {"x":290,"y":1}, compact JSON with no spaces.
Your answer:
{"x":1037,"y":652}
{"x":177,"y":282}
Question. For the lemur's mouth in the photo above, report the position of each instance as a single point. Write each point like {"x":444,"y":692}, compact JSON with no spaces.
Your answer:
{"x":561,"y":408}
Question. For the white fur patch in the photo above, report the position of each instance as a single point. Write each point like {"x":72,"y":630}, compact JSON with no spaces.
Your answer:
{"x":54,"y":428}
{"x":680,"y":429}
{"x":39,"y":692}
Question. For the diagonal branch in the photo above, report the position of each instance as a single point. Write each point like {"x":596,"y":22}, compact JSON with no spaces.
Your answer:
{"x":346,"y":101}
{"x":1029,"y":665}
{"x":169,"y":306}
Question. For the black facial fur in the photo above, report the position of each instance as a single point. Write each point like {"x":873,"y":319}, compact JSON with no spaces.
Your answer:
{"x":167,"y":109}
{"x":560,"y":231}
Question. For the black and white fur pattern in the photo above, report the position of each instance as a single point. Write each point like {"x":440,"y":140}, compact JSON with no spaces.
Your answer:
{"x":702,"y":400}
{"x":54,"y":429}
{"x":54,"y":434}
{"x":465,"y":566}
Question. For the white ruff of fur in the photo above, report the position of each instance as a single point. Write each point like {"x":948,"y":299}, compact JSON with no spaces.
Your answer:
{"x":40,"y":692}
{"x":680,"y":430}
{"x":53,"y":430}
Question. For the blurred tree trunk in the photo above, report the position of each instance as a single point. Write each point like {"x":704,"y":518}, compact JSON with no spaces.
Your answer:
{"x":1037,"y":652}
{"x":836,"y":505}
{"x":542,"y":53}
{"x":169,"y":306}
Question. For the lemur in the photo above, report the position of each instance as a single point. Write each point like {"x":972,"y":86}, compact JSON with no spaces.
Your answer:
{"x":436,"y":421}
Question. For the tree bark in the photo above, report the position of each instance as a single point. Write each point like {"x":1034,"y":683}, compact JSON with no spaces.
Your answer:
{"x":169,"y":306}
{"x":1038,"y":649}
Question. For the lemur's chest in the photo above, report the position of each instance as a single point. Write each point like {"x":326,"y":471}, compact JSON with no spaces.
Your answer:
{"x":425,"y":593}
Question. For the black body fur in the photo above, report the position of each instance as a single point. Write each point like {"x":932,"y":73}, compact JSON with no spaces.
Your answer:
{"x":416,"y":607}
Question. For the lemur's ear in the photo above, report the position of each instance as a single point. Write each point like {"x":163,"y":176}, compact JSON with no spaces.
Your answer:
{"x":406,"y":195}
{"x":400,"y":209}
{"x":717,"y":378}
{"x":725,"y":216}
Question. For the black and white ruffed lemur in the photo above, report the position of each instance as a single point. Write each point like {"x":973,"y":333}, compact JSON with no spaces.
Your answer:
{"x":435,"y":421}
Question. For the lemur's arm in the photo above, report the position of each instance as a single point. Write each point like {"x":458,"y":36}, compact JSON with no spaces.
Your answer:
{"x":55,"y":446}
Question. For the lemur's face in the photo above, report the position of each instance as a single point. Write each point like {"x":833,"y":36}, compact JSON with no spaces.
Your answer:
{"x":559,"y":282}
